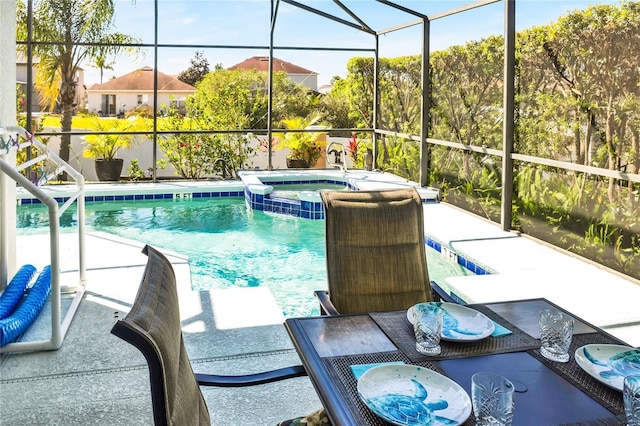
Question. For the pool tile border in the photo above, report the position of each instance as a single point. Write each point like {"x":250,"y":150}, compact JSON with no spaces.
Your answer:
{"x":469,"y":264}
{"x":461,"y":260}
{"x":142,"y":197}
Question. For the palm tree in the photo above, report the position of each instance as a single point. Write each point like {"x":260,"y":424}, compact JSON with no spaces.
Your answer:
{"x":101,"y":62}
{"x":69,"y":33}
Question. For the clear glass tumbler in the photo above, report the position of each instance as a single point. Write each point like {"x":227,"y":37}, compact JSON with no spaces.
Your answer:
{"x":427,"y":326}
{"x":492,"y":399}
{"x":556,"y":331}
{"x":631,"y":396}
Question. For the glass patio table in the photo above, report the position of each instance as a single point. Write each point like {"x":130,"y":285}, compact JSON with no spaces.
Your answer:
{"x":547,"y":393}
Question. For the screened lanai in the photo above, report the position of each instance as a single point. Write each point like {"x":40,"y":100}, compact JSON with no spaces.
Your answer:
{"x":519,"y":144}
{"x":496,"y":155}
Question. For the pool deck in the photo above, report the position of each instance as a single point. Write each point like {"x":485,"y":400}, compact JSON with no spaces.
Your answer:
{"x":525,"y":268}
{"x":95,"y":378}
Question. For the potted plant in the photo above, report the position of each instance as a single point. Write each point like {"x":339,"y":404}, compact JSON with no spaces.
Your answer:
{"x":305,"y":147}
{"x":104,"y":147}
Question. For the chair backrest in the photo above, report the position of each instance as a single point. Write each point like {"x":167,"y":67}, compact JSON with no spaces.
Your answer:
{"x":376,"y":259}
{"x":153,"y":326}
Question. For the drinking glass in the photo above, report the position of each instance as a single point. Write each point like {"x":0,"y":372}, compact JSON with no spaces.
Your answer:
{"x":427,"y":326}
{"x":492,"y":399}
{"x":631,"y":396}
{"x":556,"y":331}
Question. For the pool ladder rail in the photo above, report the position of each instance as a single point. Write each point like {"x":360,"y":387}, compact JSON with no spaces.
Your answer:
{"x":339,"y":154}
{"x":44,"y":167}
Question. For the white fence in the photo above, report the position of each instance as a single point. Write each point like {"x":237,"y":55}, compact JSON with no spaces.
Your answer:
{"x":143,"y":152}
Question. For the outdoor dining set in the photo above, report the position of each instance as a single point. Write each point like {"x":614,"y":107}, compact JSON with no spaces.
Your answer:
{"x":390,"y":348}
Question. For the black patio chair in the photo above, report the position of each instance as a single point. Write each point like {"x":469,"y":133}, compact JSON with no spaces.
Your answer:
{"x":153,"y":326}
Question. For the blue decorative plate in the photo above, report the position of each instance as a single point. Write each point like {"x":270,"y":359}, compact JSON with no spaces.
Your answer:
{"x":411,"y":395}
{"x":460,"y":323}
{"x":609,"y":364}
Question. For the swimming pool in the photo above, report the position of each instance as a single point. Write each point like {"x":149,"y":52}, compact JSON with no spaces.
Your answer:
{"x":228,"y":244}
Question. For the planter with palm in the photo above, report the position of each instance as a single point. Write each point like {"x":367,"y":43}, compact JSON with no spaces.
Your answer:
{"x":305,"y":148}
{"x":104,"y":147}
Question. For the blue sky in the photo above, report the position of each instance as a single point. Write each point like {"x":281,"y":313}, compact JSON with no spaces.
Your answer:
{"x":246,"y":23}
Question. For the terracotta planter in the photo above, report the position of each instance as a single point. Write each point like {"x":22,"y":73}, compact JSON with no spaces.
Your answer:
{"x":109,"y":170}
{"x":321,"y":163}
{"x":295,"y":163}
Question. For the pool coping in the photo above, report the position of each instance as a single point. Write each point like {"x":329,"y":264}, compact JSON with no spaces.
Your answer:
{"x":261,"y":184}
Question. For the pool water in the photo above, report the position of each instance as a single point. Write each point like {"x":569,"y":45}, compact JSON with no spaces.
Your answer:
{"x":228,"y":244}
{"x":291,"y":190}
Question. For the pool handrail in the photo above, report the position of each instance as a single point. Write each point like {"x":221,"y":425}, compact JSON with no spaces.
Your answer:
{"x":59,"y":326}
{"x":337,"y":162}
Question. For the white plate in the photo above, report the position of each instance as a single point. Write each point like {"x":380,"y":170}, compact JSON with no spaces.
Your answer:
{"x":461,"y":323}
{"x":412,"y":395}
{"x":609,"y":364}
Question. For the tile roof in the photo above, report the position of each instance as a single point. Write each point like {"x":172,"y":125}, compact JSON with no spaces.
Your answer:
{"x":261,"y":63}
{"x":142,"y":80}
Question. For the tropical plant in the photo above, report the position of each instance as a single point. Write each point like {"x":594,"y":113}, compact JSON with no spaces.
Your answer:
{"x":195,"y":155}
{"x":106,"y":146}
{"x":135,"y":172}
{"x":101,"y":61}
{"x":306,"y":146}
{"x":354,"y":148}
{"x":69,"y":33}
{"x":236,"y":100}
{"x":403,"y":158}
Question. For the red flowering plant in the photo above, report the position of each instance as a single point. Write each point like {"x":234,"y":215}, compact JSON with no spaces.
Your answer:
{"x":195,"y":155}
{"x":354,"y":143}
{"x":263,"y":145}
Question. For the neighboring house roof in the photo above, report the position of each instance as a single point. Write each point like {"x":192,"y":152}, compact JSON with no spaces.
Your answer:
{"x":21,"y":59}
{"x":142,"y":80}
{"x":261,"y":63}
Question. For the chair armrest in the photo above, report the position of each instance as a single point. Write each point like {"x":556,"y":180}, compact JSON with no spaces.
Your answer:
{"x":439,"y":295}
{"x":326,"y":306}
{"x":251,"y":379}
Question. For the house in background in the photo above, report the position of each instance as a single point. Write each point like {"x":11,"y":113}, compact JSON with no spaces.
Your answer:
{"x":296,"y":73}
{"x":325,"y":88}
{"x":133,"y":90}
{"x":21,"y":79}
